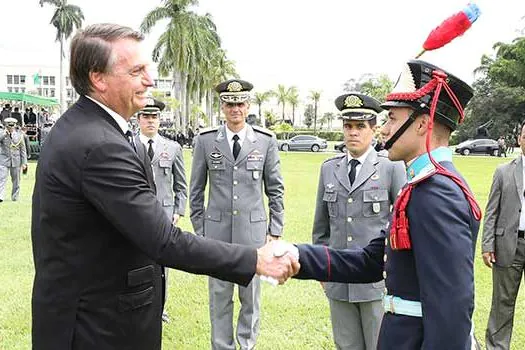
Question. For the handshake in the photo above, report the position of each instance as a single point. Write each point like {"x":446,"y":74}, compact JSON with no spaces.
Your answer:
{"x":277,"y":261}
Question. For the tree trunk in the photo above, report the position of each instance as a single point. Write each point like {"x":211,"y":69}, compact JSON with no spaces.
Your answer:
{"x":183,"y":93}
{"x":315,"y":118}
{"x":187,"y":98}
{"x":177,"y":90}
{"x":283,"y":111}
{"x":62,"y":78}
{"x":293,"y":115}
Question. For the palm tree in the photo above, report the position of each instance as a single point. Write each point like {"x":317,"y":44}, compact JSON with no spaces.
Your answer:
{"x":187,"y":50}
{"x":259,"y":98}
{"x":65,"y":18}
{"x":293,"y":99}
{"x":282,"y":96}
{"x":315,"y":96}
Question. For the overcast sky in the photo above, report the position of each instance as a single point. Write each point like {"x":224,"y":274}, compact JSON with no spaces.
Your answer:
{"x":310,"y":44}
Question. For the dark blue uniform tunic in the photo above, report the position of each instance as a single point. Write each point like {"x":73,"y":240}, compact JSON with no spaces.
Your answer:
{"x":437,"y":271}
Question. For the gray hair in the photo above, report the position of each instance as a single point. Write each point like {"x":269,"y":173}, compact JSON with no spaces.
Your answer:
{"x":91,"y":51}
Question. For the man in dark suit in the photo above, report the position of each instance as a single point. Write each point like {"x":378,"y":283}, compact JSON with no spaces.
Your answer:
{"x":99,"y":234}
{"x":427,"y":258}
{"x":503,"y":246}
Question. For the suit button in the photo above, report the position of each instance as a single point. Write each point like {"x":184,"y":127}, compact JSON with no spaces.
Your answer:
{"x":215,"y":166}
{"x":384,"y":274}
{"x":350,"y":200}
{"x":235,"y":212}
{"x":235,"y":182}
{"x":350,"y":239}
{"x":349,"y":219}
{"x":386,"y":242}
{"x":235,"y":167}
{"x":384,"y":258}
{"x":235,"y":198}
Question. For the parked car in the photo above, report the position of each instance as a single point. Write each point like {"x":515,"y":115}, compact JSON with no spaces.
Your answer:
{"x":303,"y":143}
{"x":341,"y":147}
{"x":480,"y":146}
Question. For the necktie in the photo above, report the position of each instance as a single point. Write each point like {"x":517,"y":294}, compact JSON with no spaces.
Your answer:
{"x":236,"y":146}
{"x":129,"y":136}
{"x":151,"y":153}
{"x":353,"y":166}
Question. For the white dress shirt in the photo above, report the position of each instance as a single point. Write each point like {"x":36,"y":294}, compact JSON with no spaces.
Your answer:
{"x":122,"y":123}
{"x":360,"y":159}
{"x":522,"y":197}
{"x":145,"y":140}
{"x":241,"y":134}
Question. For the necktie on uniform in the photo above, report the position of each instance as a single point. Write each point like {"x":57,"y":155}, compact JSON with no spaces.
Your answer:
{"x":129,"y":136}
{"x":236,"y":146}
{"x":151,"y":152}
{"x":353,"y":166}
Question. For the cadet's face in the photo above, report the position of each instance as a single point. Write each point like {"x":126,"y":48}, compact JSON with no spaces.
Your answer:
{"x":149,"y":124}
{"x":235,"y":113}
{"x":358,"y":136}
{"x":521,"y":139}
{"x":128,"y":80}
{"x":404,"y":148}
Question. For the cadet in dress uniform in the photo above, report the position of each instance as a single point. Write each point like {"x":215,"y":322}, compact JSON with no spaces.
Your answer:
{"x":168,"y":169}
{"x":429,"y":260}
{"x":354,"y":198}
{"x":13,"y":157}
{"x":238,"y":160}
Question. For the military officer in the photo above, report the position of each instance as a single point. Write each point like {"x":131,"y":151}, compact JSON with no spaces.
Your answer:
{"x":168,"y":168}
{"x":429,"y":260}
{"x":354,"y":197}
{"x":13,"y":157}
{"x":238,"y":160}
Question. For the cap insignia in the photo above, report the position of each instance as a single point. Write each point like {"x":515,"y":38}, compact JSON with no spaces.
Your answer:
{"x":353,"y":101}
{"x":234,"y":86}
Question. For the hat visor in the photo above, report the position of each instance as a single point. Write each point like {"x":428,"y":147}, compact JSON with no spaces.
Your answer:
{"x":357,"y":116}
{"x":234,"y":98}
{"x":390,"y":104}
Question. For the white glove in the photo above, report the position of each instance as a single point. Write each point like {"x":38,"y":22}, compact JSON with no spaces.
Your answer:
{"x":281,"y":249}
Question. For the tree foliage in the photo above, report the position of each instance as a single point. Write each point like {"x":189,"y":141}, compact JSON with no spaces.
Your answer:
{"x":375,"y":86}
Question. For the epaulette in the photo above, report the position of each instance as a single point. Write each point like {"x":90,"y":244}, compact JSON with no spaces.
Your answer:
{"x":263,"y":130}
{"x":383,"y":153}
{"x":208,"y":130}
{"x":337,"y":157}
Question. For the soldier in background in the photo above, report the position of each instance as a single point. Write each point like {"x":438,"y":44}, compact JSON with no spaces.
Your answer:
{"x":237,"y":159}
{"x":13,"y":157}
{"x":168,"y":169}
{"x":6,"y":112}
{"x":354,"y":196}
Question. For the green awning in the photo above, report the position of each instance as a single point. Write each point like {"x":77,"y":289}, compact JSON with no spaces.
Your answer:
{"x":27,"y":98}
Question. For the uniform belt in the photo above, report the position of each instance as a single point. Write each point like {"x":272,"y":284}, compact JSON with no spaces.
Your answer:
{"x":399,"y":306}
{"x":521,"y":233}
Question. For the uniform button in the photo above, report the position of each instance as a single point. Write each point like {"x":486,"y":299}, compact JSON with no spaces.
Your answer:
{"x":386,"y":241}
{"x":384,"y":258}
{"x":350,"y":200}
{"x":349,"y":219}
{"x":235,"y":212}
{"x":384,"y":274}
{"x":215,"y":166}
{"x":235,"y":182}
{"x":350,"y":238}
{"x":375,"y":197}
{"x":386,"y":291}
{"x":235,"y":197}
{"x":235,"y":167}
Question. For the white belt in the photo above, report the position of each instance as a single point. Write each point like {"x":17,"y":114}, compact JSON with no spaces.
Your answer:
{"x":399,"y":306}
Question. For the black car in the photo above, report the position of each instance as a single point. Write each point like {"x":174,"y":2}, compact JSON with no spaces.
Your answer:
{"x":341,"y":147}
{"x":479,"y":146}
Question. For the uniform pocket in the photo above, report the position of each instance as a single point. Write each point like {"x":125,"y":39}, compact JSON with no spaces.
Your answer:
{"x":212,"y":215}
{"x":132,"y":301}
{"x":139,"y":276}
{"x":500,"y":231}
{"x":375,"y":202}
{"x":331,"y":202}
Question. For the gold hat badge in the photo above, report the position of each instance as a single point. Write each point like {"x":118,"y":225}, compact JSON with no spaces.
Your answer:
{"x":353,"y":101}
{"x":234,"y":86}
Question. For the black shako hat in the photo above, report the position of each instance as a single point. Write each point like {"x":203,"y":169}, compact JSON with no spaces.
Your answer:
{"x":414,"y":88}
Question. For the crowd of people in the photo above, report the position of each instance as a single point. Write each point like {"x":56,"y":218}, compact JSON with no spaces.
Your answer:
{"x":394,"y":231}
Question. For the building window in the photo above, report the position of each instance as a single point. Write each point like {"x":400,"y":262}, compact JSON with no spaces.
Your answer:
{"x":16,"y":89}
{"x":39,"y":90}
{"x":67,"y":81}
{"x":45,"y":80}
{"x":23,"y":90}
{"x":10,"y":89}
{"x":22,"y":79}
{"x":52,"y":80}
{"x":10,"y":79}
{"x":52,"y":92}
{"x":16,"y":79}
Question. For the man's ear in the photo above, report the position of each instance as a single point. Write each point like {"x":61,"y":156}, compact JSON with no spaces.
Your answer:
{"x":98,"y":81}
{"x":422,"y":123}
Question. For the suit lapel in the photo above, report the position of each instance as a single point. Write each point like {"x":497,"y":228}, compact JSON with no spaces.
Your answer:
{"x":221,"y":144}
{"x":518,"y":176}
{"x":247,"y":145}
{"x":367,"y":169}
{"x":341,"y":173}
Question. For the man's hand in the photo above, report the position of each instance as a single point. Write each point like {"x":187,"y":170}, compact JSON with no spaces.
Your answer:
{"x":277,"y":264}
{"x":176,"y":218}
{"x":489,"y":258}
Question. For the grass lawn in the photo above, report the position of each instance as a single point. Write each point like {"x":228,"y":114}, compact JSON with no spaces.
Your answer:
{"x":294,"y":316}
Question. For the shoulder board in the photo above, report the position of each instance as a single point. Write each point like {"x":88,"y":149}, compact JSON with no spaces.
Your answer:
{"x":383,"y":153}
{"x":208,"y":130}
{"x":337,"y":157}
{"x":263,"y":130}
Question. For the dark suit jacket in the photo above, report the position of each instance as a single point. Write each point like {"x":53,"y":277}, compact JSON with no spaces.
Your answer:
{"x":99,"y":237}
{"x":438,"y":271}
